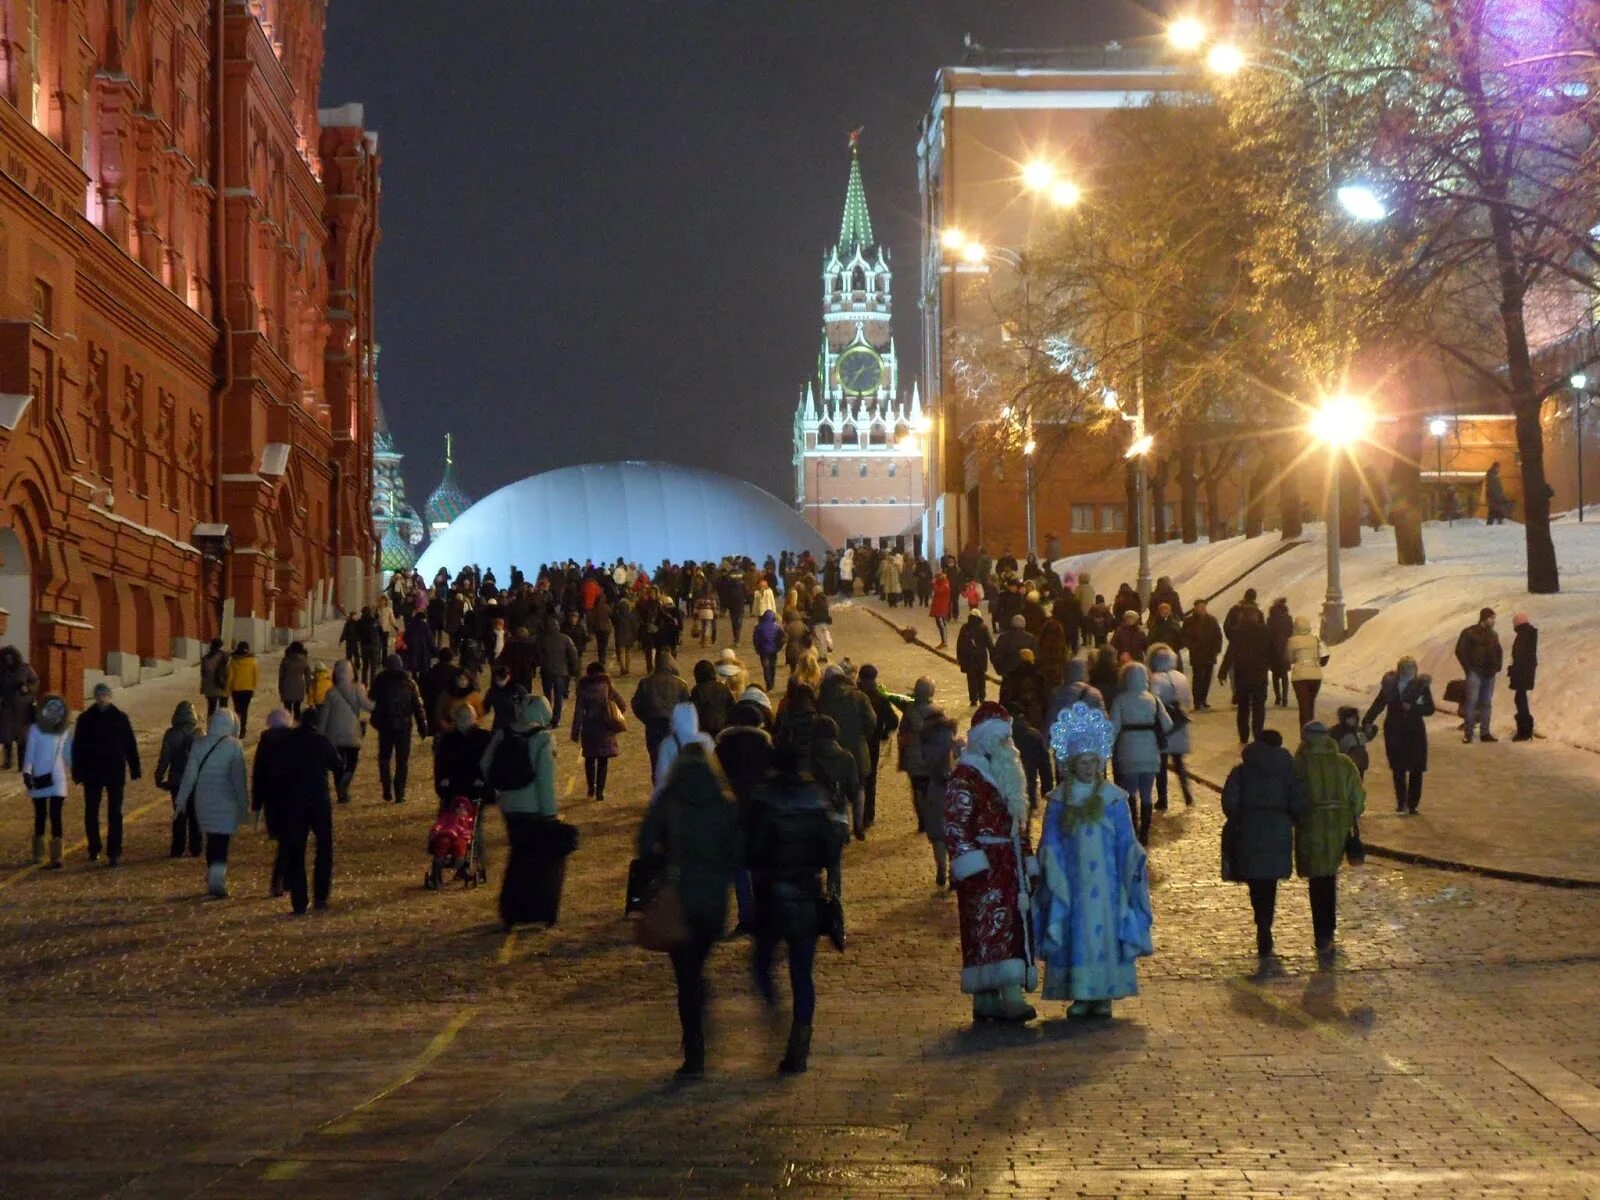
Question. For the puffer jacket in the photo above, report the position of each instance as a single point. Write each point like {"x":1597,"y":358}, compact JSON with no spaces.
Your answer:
{"x":1334,"y":799}
{"x":852,"y":712}
{"x":1263,"y":800}
{"x":1135,"y":712}
{"x":339,"y":716}
{"x":694,"y":824}
{"x":790,"y":843}
{"x":294,"y":677}
{"x":1171,"y":687}
{"x":214,"y":779}
{"x":1304,"y":651}
{"x":938,"y":748}
{"x":243,"y":674}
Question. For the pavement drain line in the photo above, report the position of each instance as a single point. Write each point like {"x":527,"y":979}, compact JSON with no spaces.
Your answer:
{"x":1410,"y":857}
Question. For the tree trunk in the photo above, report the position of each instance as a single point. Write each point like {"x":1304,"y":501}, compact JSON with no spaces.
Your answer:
{"x":1188,"y":495}
{"x":1215,"y":530}
{"x":1158,"y":503}
{"x":1255,"y":513}
{"x":1405,"y":495}
{"x":1289,"y":504}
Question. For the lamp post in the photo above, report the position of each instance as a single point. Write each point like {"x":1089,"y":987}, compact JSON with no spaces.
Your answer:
{"x":1438,"y":427}
{"x":1340,"y":421}
{"x":1579,"y":382}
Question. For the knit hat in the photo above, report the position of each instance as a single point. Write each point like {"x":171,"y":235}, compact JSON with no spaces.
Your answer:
{"x":1019,"y":622}
{"x":1485,"y":613}
{"x":755,"y":695}
{"x":1025,"y":655}
{"x":102,"y":689}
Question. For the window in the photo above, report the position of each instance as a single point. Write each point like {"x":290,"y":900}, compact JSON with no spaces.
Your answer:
{"x":1113,"y":518}
{"x":833,"y":470}
{"x":894,"y":469}
{"x":1083,"y":518}
{"x":849,"y":437}
{"x":863,"y":470}
{"x":825,"y":434}
{"x":863,"y":500}
{"x":43,"y":303}
{"x":878,"y":436}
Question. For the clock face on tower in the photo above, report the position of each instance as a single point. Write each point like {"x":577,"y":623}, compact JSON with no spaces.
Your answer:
{"x":860,"y":370}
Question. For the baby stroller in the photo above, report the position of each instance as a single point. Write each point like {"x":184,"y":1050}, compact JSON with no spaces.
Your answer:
{"x":456,"y":844}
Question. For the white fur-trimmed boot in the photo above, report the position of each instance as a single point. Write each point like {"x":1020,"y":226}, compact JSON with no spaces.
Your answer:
{"x":1014,"y":1004}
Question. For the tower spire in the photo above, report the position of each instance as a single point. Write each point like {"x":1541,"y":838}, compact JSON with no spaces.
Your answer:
{"x":448,"y":455}
{"x":856,"y":228}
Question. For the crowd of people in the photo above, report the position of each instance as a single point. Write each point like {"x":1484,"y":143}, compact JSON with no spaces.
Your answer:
{"x":761,"y":794}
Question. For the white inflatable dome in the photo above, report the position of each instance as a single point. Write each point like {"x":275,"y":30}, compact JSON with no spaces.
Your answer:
{"x":642,"y":511}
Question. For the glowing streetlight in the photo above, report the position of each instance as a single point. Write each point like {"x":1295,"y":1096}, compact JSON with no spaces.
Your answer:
{"x":924,"y":423}
{"x":1030,"y":446}
{"x":1140,"y":446}
{"x":1579,"y":381}
{"x":1438,"y":427}
{"x":1361,"y":202}
{"x":952,"y":239}
{"x":1186,"y":33}
{"x":974,"y":253}
{"x":1341,"y":420}
{"x":1005,"y":413}
{"x":1038,"y":175}
{"x":1065,"y":194}
{"x":1225,"y":59}
{"x":1109,"y":402}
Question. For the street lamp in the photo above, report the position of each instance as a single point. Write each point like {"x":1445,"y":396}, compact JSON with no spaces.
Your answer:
{"x":1340,"y":421}
{"x":1438,"y":427}
{"x":1362,"y":202}
{"x":1187,"y":33}
{"x":1579,"y":382}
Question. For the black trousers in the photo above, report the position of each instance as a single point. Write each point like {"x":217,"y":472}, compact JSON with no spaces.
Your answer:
{"x":394,"y":761}
{"x":1524,"y":713}
{"x":1252,"y":714}
{"x":919,"y":791}
{"x":869,"y":786}
{"x":1407,"y":790}
{"x":595,"y":771}
{"x":241,"y":709}
{"x":217,"y":847}
{"x":1264,"y":904}
{"x":602,"y":642}
{"x":977,"y":686}
{"x":298,"y":827}
{"x":1324,"y":891}
{"x":1202,"y":682}
{"x":689,"y":967}
{"x":1175,"y":761}
{"x":51,"y":806}
{"x":736,"y":623}
{"x":185,"y":830}
{"x":769,"y":670}
{"x":349,"y":756}
{"x":655,"y":732}
{"x":92,"y":792}
{"x":1280,"y":685}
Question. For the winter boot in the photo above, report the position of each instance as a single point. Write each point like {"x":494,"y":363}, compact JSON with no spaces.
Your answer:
{"x":1079,"y":1008}
{"x":55,"y":855}
{"x":38,"y":850}
{"x":794,"y":1058}
{"x":985,"y":1006}
{"x":1014,"y":1005}
{"x":217,"y":880}
{"x":1100,"y":1008}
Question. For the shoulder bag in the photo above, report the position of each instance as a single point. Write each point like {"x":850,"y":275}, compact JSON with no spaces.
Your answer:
{"x":830,"y":914}
{"x":663,"y":927}
{"x":614,"y":719}
{"x":1355,"y":850}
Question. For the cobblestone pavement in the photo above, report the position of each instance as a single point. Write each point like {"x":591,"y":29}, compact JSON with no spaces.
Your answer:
{"x":400,"y":1045}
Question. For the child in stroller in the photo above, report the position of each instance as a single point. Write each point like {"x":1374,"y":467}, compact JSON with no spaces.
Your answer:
{"x":456,"y":843}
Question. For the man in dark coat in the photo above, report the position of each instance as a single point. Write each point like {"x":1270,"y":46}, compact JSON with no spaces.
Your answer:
{"x":1479,"y":653}
{"x":1008,"y":647}
{"x":396,"y":707}
{"x":296,"y":771}
{"x":1263,"y":799}
{"x":1249,"y":658}
{"x":657,"y":695}
{"x":1165,"y":593}
{"x":436,"y":680}
{"x":104,"y":758}
{"x":558,"y":663}
{"x":1164,"y":627}
{"x":1232,"y":619}
{"x":974,"y":647}
{"x":1202,"y":636}
{"x":1494,"y":496}
{"x":1524,"y":665}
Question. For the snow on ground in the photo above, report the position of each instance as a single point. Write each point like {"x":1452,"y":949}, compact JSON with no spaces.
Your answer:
{"x":1420,"y":610}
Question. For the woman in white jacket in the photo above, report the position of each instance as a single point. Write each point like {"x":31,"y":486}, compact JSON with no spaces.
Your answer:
{"x":1171,"y":687}
{"x":214,"y":782}
{"x":1304,"y":652}
{"x":46,"y":767}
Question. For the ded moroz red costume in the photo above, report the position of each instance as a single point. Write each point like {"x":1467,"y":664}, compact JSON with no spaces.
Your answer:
{"x":991,"y":861}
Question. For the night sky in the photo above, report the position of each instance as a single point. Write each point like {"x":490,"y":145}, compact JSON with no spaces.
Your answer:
{"x":603,"y":222}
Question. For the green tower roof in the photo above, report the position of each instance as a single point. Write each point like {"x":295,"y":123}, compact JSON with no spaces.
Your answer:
{"x":856,"y":228}
{"x":448,"y":500}
{"x":395,"y":554}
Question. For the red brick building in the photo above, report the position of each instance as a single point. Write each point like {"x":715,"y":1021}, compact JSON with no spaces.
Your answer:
{"x":186,"y":414}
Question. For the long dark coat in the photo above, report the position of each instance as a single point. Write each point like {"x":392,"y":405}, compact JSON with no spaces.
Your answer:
{"x":1405,"y":728}
{"x":1263,"y":799}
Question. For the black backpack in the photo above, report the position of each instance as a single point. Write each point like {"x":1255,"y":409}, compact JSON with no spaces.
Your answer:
{"x":511,"y":768}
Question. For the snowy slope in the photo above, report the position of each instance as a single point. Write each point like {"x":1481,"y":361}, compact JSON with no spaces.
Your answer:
{"x":1421,"y":610}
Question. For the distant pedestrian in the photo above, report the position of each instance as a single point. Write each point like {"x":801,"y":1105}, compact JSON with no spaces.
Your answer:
{"x":939,"y":606}
{"x":18,"y":685}
{"x":975,"y":647}
{"x":910,"y":746}
{"x":939,"y":747}
{"x":768,"y":640}
{"x":1406,"y":699}
{"x":176,"y":744}
{"x":294,"y":678}
{"x":1171,"y":687}
{"x":214,"y":676}
{"x":1142,"y":727}
{"x":242,"y":679}
{"x":214,"y":782}
{"x":1249,"y":661}
{"x":396,"y":710}
{"x":341,"y":718}
{"x":1203,"y":638}
{"x":1524,"y":666}
{"x":1497,"y":507}
{"x":1479,"y":653}
{"x":597,"y":709}
{"x":1263,"y":800}
{"x":104,"y":758}
{"x":1305,"y":652}
{"x":1335,"y":800}
{"x":654,"y":700}
{"x":46,"y":767}
{"x":1280,"y":628}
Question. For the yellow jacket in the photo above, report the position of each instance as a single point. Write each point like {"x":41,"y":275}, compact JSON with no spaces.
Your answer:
{"x":321,"y":685}
{"x":242,"y":673}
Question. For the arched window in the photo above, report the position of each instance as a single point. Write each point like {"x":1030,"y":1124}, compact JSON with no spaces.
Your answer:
{"x":878,"y":436}
{"x":825,"y":434}
{"x":900,"y":432}
{"x":858,"y":280}
{"x":849,"y":437}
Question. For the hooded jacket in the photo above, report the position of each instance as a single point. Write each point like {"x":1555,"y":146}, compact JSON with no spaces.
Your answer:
{"x":340,"y":713}
{"x":531,"y":725}
{"x":685,"y":731}
{"x":1524,"y":657}
{"x":243,"y":673}
{"x":1171,"y":687}
{"x":853,"y":714}
{"x":659,"y":692}
{"x":214,"y":778}
{"x":693,"y":824}
{"x":1135,"y":712}
{"x":1334,"y":799}
{"x":175,"y":746}
{"x":294,"y":677}
{"x":1263,"y":800}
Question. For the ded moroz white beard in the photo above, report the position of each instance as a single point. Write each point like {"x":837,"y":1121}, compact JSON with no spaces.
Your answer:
{"x":995,"y":756}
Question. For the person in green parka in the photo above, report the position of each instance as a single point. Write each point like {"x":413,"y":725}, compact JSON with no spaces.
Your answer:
{"x":1334,"y":800}
{"x":693,"y":826}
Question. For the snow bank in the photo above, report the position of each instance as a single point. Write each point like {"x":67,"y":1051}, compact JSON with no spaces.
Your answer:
{"x":1421,"y":610}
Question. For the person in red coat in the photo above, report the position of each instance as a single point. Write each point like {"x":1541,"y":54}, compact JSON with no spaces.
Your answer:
{"x":939,"y":607}
{"x":991,"y":861}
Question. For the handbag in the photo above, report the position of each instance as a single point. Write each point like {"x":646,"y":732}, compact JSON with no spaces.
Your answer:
{"x":615,"y":719}
{"x":830,"y":913}
{"x":1355,"y":849}
{"x":1455,"y":692}
{"x":644,"y":877}
{"x":1230,"y":857}
{"x":663,"y":927}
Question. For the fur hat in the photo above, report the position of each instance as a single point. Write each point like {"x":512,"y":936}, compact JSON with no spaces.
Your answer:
{"x":990,"y":710}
